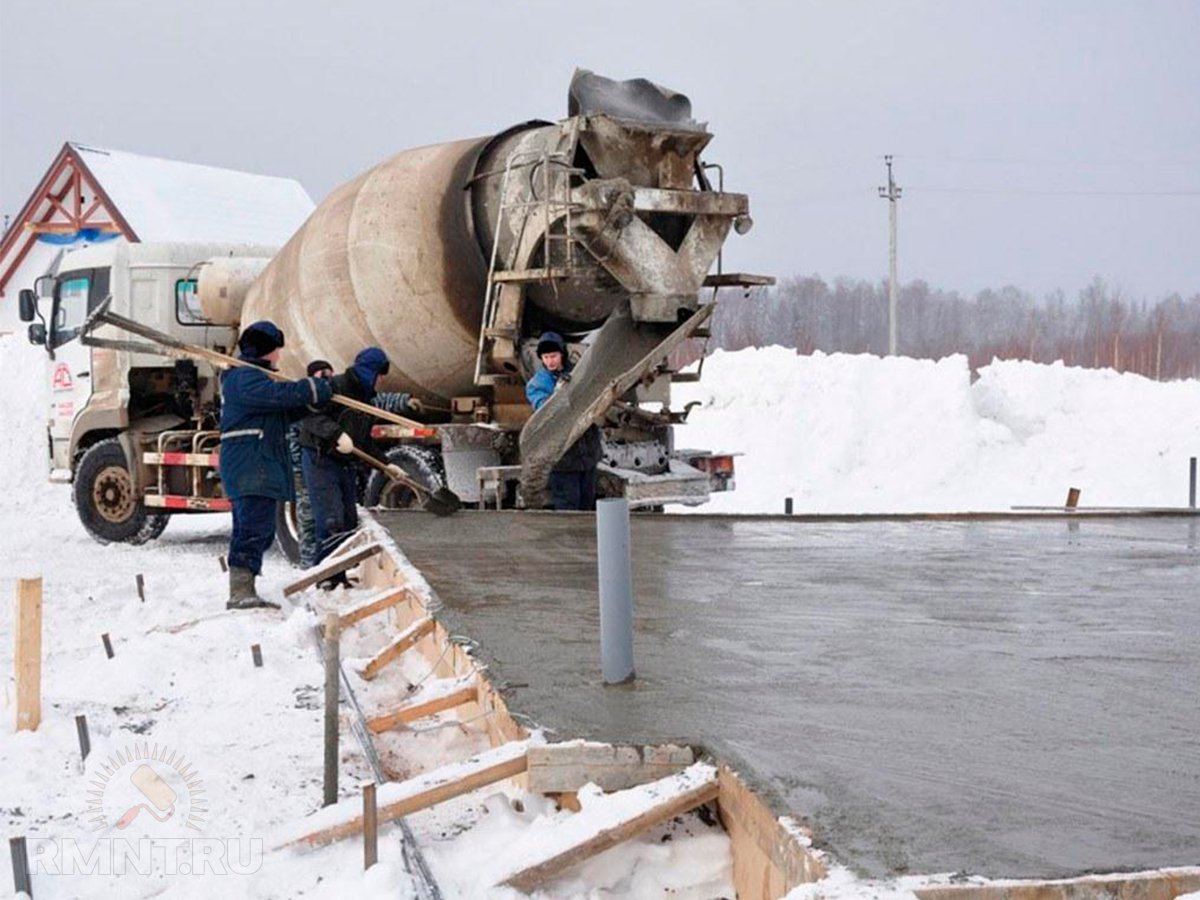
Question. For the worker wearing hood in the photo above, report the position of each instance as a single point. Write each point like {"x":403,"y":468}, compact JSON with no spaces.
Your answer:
{"x":328,"y":440}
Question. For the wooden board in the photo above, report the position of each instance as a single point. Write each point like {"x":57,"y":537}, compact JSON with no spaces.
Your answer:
{"x":1156,"y":884}
{"x":376,"y":603}
{"x":393,"y":651}
{"x":27,"y":654}
{"x":331,"y":567}
{"x":398,"y":799}
{"x":419,"y":709}
{"x":768,"y":858}
{"x":565,"y":768}
{"x":578,"y":842}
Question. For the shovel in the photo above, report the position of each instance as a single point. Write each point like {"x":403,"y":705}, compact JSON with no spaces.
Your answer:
{"x":161,"y":342}
{"x":442,"y":502}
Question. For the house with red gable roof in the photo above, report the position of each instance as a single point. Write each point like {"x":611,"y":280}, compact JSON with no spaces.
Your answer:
{"x":89,"y":195}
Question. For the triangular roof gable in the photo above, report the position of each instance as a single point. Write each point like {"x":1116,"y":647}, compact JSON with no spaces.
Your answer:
{"x":88,"y":192}
{"x":61,"y":204}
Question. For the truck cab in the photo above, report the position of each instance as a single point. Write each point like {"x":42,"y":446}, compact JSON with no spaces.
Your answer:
{"x":108,"y":404}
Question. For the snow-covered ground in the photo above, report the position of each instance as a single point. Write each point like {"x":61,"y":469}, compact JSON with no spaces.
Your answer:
{"x":241,"y":747}
{"x":856,"y":433}
{"x":836,"y":433}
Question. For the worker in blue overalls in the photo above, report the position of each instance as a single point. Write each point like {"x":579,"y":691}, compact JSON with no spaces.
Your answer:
{"x":255,"y":469}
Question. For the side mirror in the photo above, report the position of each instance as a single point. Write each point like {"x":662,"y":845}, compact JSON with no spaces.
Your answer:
{"x":28,"y":305}
{"x":37,"y":334}
{"x":44,"y":286}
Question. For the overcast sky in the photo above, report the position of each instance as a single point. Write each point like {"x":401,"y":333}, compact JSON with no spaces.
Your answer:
{"x":1038,"y":143}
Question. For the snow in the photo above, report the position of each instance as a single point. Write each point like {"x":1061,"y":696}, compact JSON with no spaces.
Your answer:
{"x":167,"y":200}
{"x":599,"y":812}
{"x":856,"y":433}
{"x":182,"y":678}
{"x":182,"y":681}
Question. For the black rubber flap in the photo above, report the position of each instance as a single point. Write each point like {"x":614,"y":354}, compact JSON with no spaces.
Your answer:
{"x":637,"y":99}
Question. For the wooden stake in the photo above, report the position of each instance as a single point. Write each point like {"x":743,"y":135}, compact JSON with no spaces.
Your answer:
{"x":331,"y":708}
{"x":28,"y":653}
{"x":85,"y":742}
{"x":370,"y":826}
{"x":108,"y":648}
{"x":224,"y":565}
{"x":256,"y":652}
{"x":141,"y":586}
{"x":1072,"y":498}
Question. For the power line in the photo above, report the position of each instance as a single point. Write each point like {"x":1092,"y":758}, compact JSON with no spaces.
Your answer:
{"x":1053,"y":192}
{"x":1033,"y":161}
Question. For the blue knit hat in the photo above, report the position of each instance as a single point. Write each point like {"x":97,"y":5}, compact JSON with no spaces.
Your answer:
{"x":259,"y":339}
{"x":551,"y":342}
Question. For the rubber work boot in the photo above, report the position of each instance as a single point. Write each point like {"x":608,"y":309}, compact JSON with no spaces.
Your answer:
{"x":241,"y":591}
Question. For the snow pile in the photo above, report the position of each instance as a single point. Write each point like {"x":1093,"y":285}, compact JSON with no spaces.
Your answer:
{"x":684,"y":858}
{"x":856,"y":433}
{"x":26,"y":398}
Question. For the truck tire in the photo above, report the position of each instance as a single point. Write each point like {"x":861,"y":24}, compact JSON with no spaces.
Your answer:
{"x":422,"y":464}
{"x":105,"y":500}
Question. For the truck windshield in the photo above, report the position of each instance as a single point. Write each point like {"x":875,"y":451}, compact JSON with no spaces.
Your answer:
{"x":77,"y":295}
{"x":70,"y":308}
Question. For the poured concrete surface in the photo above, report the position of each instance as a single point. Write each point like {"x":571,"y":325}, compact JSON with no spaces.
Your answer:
{"x":1008,"y":698}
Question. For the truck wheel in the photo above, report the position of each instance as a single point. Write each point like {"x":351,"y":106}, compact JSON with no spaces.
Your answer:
{"x":422,"y":464}
{"x":105,"y":500}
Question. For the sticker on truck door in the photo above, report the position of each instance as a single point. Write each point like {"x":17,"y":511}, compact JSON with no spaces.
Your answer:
{"x":62,"y":378}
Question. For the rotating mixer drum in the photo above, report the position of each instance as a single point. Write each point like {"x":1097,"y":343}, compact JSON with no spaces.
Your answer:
{"x":588,"y":212}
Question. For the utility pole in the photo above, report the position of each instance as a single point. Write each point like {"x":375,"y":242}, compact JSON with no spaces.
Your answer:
{"x":891,"y":193}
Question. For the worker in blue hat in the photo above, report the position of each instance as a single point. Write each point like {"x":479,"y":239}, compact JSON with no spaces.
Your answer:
{"x":254,"y":465}
{"x":573,"y":479}
{"x":328,"y":439}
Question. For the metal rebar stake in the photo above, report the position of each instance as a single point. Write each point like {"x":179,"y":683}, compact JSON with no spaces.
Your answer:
{"x":331,"y":652}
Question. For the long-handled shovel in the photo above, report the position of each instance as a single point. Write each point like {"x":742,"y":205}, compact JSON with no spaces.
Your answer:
{"x":441,"y":502}
{"x":169,"y":346}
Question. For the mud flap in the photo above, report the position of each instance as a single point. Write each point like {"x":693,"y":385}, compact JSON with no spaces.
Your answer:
{"x":622,"y":352}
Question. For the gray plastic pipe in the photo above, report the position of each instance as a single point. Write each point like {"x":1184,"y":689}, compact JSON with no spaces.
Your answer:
{"x":616,"y":591}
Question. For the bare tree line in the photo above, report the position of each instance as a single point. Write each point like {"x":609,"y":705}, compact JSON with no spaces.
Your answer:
{"x":1100,"y":328}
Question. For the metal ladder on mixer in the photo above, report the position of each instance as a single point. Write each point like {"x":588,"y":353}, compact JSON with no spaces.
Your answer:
{"x":501,"y":320}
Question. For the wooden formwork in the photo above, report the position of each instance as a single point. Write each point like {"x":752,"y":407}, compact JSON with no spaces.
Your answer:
{"x":771,"y":853}
{"x":769,"y":857}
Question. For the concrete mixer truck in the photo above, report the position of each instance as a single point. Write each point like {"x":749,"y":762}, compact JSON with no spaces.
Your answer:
{"x":453,"y":258}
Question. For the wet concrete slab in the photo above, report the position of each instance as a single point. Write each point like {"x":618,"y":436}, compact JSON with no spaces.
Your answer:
{"x":1010,"y":698}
